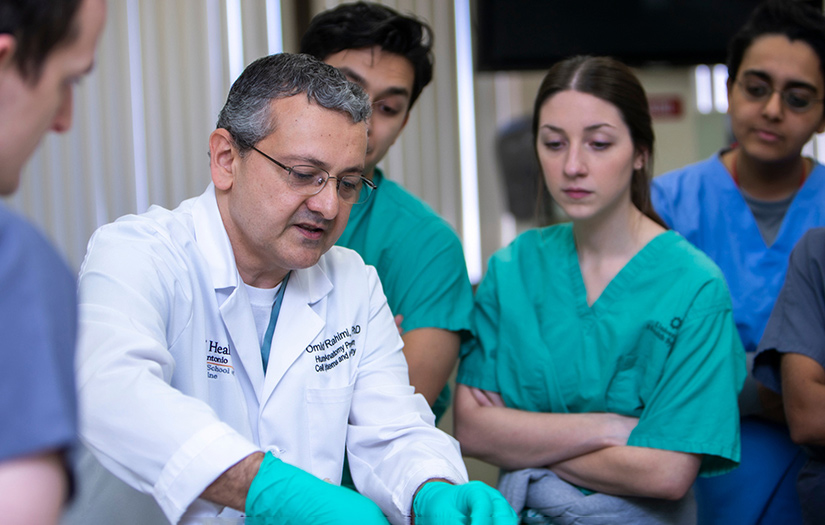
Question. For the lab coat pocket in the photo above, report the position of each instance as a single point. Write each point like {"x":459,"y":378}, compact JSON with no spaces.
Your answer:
{"x":328,"y":415}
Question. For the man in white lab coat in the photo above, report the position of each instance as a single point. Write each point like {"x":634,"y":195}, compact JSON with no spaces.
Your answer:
{"x":230,"y":355}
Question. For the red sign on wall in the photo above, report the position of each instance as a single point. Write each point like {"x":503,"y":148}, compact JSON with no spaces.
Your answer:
{"x":665,"y":106}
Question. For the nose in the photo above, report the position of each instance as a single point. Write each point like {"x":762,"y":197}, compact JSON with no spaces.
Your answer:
{"x":773,"y":107}
{"x":574,"y":165}
{"x":63,"y":117}
{"x":326,"y":201}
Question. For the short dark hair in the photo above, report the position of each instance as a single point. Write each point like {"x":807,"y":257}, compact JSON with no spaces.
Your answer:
{"x":613,"y":82}
{"x":793,"y":19}
{"x":364,"y":24}
{"x":38,"y":26}
{"x":247,"y":114}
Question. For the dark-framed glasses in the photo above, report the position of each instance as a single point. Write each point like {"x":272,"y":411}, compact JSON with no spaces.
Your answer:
{"x":796,"y":99}
{"x":310,"y":180}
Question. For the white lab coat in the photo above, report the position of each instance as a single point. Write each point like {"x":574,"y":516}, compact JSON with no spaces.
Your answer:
{"x":173,"y":392}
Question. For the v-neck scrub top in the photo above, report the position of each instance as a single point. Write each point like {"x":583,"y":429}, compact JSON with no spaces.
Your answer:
{"x":702,"y":202}
{"x":659,"y":344}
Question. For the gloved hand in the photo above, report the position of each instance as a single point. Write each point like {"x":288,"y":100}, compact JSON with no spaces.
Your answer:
{"x":282,"y":494}
{"x":437,"y":503}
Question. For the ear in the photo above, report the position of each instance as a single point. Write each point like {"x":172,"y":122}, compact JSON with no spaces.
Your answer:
{"x":222,"y":156}
{"x":640,"y":160}
{"x":8,"y":46}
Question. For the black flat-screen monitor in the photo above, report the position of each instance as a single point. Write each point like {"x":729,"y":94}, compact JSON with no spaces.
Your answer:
{"x":534,"y":34}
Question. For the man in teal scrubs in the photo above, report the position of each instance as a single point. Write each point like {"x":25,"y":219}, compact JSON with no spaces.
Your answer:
{"x":416,"y":253}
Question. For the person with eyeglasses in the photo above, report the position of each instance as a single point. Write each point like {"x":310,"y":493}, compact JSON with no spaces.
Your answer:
{"x":230,"y":355}
{"x":746,"y":207}
{"x":310,"y":180}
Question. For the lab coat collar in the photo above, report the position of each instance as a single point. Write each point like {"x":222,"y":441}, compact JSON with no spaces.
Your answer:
{"x":213,"y":241}
{"x":302,"y":318}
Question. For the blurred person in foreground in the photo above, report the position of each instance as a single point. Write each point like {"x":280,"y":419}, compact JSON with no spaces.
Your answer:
{"x":46,"y":47}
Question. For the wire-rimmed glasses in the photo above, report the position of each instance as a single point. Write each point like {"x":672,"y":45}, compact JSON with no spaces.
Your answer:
{"x":310,"y":180}
{"x":796,"y":99}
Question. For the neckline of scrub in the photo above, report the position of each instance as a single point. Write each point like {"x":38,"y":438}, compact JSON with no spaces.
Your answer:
{"x":619,"y":286}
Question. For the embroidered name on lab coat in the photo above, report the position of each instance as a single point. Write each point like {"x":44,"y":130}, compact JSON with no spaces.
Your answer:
{"x":218,"y":360}
{"x":334,"y":350}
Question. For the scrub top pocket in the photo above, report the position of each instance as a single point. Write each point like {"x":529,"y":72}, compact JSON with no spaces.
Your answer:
{"x":638,"y":371}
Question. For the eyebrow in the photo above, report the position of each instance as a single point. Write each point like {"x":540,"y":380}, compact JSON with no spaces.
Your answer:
{"x":361,"y":81}
{"x":789,"y":84}
{"x":592,"y":127}
{"x":299,"y":160}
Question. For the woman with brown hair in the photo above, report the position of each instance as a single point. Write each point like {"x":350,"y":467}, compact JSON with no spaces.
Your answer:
{"x":605,"y":366}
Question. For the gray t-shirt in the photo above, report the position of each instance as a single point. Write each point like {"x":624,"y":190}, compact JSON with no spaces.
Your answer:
{"x":768,"y":215}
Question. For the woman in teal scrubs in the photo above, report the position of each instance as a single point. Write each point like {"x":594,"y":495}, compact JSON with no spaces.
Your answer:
{"x":605,"y":367}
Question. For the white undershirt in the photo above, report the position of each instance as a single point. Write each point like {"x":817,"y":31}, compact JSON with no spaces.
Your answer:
{"x":261,"y":299}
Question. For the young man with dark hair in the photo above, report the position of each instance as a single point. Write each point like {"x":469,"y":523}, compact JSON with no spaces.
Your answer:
{"x":416,"y":253}
{"x":45,"y":47}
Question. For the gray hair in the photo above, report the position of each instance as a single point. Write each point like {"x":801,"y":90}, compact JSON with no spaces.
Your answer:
{"x":247,"y":113}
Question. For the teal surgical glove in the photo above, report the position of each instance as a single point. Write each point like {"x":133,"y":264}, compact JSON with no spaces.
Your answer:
{"x":475,"y":502}
{"x":282,"y":494}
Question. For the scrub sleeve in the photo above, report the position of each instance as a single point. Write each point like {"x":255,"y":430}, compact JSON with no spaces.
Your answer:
{"x":38,"y":309}
{"x":419,"y":260}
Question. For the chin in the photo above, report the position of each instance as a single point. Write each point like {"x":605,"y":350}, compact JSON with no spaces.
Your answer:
{"x":9,"y":183}
{"x":770,"y":155}
{"x":304,"y":261}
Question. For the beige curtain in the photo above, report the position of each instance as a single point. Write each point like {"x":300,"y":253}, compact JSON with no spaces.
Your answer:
{"x":142,"y":119}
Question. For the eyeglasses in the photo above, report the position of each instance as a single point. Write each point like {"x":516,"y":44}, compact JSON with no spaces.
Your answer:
{"x":310,"y":180}
{"x":798,"y":100}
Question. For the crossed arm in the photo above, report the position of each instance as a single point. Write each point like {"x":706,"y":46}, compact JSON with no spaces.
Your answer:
{"x":803,"y":394}
{"x":589,"y":450}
